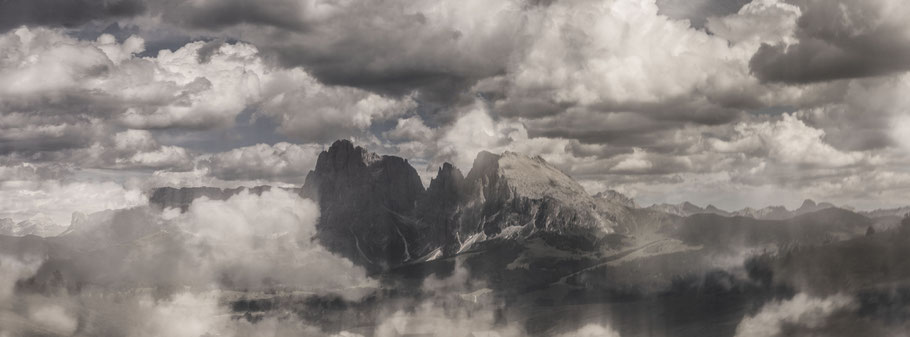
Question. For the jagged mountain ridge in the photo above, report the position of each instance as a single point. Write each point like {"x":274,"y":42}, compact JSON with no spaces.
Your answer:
{"x":375,"y":211}
{"x":686,"y":208}
{"x":366,"y":204}
{"x":511,"y":196}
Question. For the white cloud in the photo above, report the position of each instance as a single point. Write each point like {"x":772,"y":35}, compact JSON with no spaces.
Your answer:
{"x":55,"y":318}
{"x":23,"y":199}
{"x":801,"y":310}
{"x":760,"y":21}
{"x":282,"y":162}
{"x":621,"y":53}
{"x":789,"y":141}
{"x":308,"y":110}
{"x":636,"y":162}
{"x":591,"y":330}
{"x":231,"y":232}
{"x":476,"y":131}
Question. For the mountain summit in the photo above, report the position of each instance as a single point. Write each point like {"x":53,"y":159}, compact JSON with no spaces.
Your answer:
{"x":513,"y":196}
{"x":375,"y":211}
{"x":366,"y":204}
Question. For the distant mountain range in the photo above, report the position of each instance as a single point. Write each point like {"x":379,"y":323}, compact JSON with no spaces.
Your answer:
{"x":534,"y":236}
{"x":767,"y":213}
{"x":376,"y":212}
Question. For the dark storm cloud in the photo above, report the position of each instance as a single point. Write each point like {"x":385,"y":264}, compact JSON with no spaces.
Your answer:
{"x":839,"y":40}
{"x":698,"y":11}
{"x":283,"y":14}
{"x":67,"y":13}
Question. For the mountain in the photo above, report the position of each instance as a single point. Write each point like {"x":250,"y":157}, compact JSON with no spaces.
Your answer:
{"x":686,"y":209}
{"x":38,"y":226}
{"x":768,"y":213}
{"x":616,"y":198}
{"x":366,"y":204}
{"x":375,"y":211}
{"x":889,"y":212}
{"x":822,"y":226}
{"x":510,"y":196}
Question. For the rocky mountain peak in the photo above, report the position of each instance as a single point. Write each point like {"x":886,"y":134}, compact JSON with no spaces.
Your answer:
{"x":616,"y":198}
{"x":344,"y":155}
{"x":527,"y":176}
{"x":808,"y":204}
{"x":366,"y":204}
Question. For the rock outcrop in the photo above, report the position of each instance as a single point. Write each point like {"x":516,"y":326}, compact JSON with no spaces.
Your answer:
{"x":366,"y":204}
{"x":510,"y":196}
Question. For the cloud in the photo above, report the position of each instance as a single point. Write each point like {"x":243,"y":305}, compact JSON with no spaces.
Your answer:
{"x":788,"y":141}
{"x":191,"y":262}
{"x":64,"y":12}
{"x":232,"y":229}
{"x":55,"y":318}
{"x":802,"y":310}
{"x":96,"y":104}
{"x":579,"y":60}
{"x":761,"y":21}
{"x":698,"y":12}
{"x":838,"y":40}
{"x":634,"y":163}
{"x":278,"y":162}
{"x":591,"y":330}
{"x":456,"y":305}
{"x":24,"y":199}
{"x":475,"y":130}
{"x":308,"y":110}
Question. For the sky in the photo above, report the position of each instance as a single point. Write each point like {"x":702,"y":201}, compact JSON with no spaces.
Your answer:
{"x":724,"y":102}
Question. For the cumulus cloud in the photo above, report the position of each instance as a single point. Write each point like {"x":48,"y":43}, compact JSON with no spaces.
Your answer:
{"x":579,"y":60}
{"x":56,"y":199}
{"x":171,"y":90}
{"x":789,"y":141}
{"x":219,"y":243}
{"x":699,"y":11}
{"x":64,"y":13}
{"x":278,"y":162}
{"x":191,"y":261}
{"x":837,"y":40}
{"x":311,"y":111}
{"x":595,"y":87}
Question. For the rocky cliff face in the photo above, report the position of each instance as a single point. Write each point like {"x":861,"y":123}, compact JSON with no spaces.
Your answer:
{"x":366,"y":204}
{"x":509,"y":196}
{"x":374,"y":209}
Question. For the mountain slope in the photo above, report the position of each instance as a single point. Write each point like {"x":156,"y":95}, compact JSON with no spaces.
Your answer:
{"x":511,"y":197}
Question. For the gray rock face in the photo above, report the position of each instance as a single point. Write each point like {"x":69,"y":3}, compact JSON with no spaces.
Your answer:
{"x":684,"y":209}
{"x":438,"y":210}
{"x":616,"y":198}
{"x":366,"y":204}
{"x":767,"y":213}
{"x":374,"y":209}
{"x":510,"y":196}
